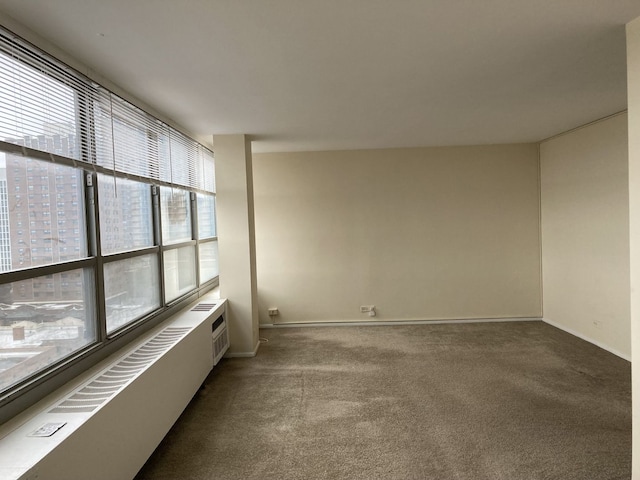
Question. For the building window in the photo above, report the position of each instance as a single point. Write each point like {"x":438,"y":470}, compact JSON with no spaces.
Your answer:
{"x":148,"y":243}
{"x":207,"y":237}
{"x":175,"y":206}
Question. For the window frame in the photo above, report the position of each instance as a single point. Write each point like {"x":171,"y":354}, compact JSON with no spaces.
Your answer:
{"x":206,"y":239}
{"x":31,"y":388}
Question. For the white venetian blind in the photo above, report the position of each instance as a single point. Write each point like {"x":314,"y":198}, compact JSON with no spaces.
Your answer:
{"x":46,"y":105}
{"x":206,"y":173}
{"x":127,"y":139}
{"x":38,"y":101}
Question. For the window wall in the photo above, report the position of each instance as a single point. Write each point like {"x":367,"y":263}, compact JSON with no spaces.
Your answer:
{"x":107,"y":217}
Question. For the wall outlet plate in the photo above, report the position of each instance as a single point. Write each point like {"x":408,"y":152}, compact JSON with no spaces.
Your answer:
{"x":367,"y":308}
{"x":273,"y":312}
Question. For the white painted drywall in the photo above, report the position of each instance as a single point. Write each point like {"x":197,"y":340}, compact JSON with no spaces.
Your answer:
{"x":585,"y":233}
{"x":633,"y":99}
{"x":422,"y":233}
{"x":236,"y":244}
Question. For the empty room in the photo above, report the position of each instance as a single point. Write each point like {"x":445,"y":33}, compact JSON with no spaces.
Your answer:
{"x":331,"y":239}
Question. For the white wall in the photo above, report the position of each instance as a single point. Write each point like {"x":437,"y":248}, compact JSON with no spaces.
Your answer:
{"x":236,"y":246}
{"x":585,"y":233}
{"x":424,"y":233}
{"x":633,"y":100}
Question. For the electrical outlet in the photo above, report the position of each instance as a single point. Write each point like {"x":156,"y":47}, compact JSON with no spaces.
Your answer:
{"x":367,"y":308}
{"x":273,"y":312}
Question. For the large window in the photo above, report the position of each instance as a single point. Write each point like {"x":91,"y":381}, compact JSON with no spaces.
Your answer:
{"x":178,"y":242}
{"x":107,"y":218}
{"x":43,"y":320}
{"x":207,"y":237}
{"x":175,"y":205}
{"x":131,"y":281}
{"x":126,"y":216}
{"x":47,"y":299}
{"x":132,"y":289}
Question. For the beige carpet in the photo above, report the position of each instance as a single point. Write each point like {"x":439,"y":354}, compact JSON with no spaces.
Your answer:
{"x":460,"y":401}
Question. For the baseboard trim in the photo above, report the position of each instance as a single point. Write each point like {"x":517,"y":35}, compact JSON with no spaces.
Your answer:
{"x":587,"y":339}
{"x":387,"y":323}
{"x":243,"y":354}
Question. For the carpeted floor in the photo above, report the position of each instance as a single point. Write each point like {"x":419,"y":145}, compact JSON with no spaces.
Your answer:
{"x":459,"y":401}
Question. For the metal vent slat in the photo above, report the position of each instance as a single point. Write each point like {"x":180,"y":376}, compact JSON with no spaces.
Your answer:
{"x":203,"y":307}
{"x":91,"y":386}
{"x":108,"y":383}
{"x":220,"y":343}
{"x":88,"y":394}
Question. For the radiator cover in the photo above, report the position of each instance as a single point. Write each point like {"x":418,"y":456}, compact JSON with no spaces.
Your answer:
{"x":116,"y":417}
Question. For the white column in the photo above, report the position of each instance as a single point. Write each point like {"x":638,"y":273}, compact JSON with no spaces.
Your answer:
{"x":236,"y":240}
{"x":633,"y":99}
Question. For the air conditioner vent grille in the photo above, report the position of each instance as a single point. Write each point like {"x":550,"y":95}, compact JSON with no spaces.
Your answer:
{"x":108,"y":383}
{"x":220,"y":341}
{"x":203,"y":307}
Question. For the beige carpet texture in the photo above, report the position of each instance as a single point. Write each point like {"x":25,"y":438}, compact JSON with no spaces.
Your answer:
{"x":513,"y":400}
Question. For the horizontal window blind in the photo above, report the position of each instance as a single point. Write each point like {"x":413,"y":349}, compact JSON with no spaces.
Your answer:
{"x":183,"y":154}
{"x":47,"y":106}
{"x":126,"y":138}
{"x":38,"y":99}
{"x":207,"y":171}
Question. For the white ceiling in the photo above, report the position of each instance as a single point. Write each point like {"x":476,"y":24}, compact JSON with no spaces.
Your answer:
{"x":345,"y":74}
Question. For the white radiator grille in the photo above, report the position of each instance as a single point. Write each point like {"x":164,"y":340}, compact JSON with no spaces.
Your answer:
{"x":110,"y":382}
{"x":165,"y":368}
{"x":220,"y":344}
{"x":203,"y":307}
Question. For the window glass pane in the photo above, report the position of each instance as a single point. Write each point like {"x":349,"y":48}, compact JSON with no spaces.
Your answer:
{"x":46,"y":106}
{"x":206,"y":216}
{"x":37,"y":111}
{"x":175,"y":209}
{"x":41,"y":213}
{"x":208,"y":261}
{"x":179,"y":271}
{"x":125,"y":214}
{"x":132,"y":289}
{"x":43,"y":320}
